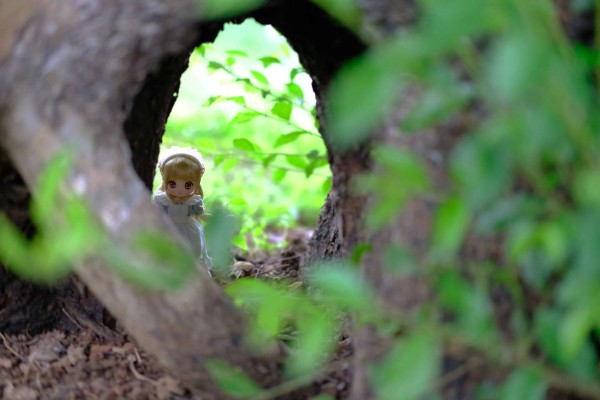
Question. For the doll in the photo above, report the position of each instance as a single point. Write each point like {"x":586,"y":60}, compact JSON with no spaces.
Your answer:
{"x":180,"y":196}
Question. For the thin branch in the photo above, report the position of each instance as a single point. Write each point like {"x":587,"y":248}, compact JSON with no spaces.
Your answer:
{"x":267,"y":153}
{"x":268,"y":91}
{"x":459,"y":371}
{"x":250,"y":160}
{"x":279,"y":119}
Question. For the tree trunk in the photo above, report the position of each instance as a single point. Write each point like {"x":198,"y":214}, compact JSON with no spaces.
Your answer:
{"x":81,"y":93}
{"x":304,"y":25}
{"x":99,"y":76}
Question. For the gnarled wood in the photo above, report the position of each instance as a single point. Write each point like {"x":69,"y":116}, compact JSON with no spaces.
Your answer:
{"x":73,"y":91}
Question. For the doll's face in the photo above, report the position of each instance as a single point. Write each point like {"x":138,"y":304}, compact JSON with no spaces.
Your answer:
{"x":180,"y":188}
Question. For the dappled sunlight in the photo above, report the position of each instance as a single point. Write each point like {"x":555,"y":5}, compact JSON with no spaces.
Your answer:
{"x":248,"y":106}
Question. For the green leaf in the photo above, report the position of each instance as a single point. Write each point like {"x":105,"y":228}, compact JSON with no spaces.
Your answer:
{"x":243,"y":117}
{"x":66,"y":231}
{"x":260,"y":77}
{"x":326,"y":186}
{"x":314,"y":155}
{"x":212,"y":100}
{"x":575,"y":328}
{"x":340,"y":285}
{"x":237,"y":53}
{"x":282,"y":109}
{"x":395,"y":165}
{"x":268,"y":160}
{"x":232,"y":380}
{"x":313,"y":344}
{"x":266,"y":61}
{"x":15,"y":252}
{"x":279,"y":174}
{"x":168,"y":251}
{"x":267,"y":304}
{"x":241,"y":100}
{"x":229,"y":164}
{"x":295,"y":72}
{"x":215,"y":65}
{"x":217,"y":160}
{"x":450,"y":226}
{"x":201,"y":50}
{"x":221,"y":9}
{"x":244,"y":145}
{"x":470,"y":304}
{"x":142,"y":273}
{"x":359,"y":251}
{"x":49,"y":183}
{"x":219,"y":232}
{"x":237,"y":201}
{"x":295,"y":90}
{"x":346,"y":12}
{"x":296,"y":161}
{"x":409,"y":368}
{"x":482,"y":167}
{"x":360,"y":96}
{"x":309,"y":169}
{"x":586,"y":188}
{"x":502,"y":212}
{"x":516,"y":64}
{"x":436,"y":105}
{"x":445,"y":29}
{"x":524,"y":383}
{"x":399,"y":260}
{"x":288,"y":138}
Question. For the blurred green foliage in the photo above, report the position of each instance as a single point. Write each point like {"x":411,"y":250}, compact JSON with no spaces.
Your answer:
{"x":67,"y":233}
{"x":525,"y":176}
{"x":221,"y":9}
{"x":247,"y":105}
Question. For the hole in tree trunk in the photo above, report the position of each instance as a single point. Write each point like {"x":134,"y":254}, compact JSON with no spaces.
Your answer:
{"x":322,"y":46}
{"x":248,"y":106}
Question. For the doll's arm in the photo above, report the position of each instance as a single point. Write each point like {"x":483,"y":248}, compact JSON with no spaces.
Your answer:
{"x":197,"y":209}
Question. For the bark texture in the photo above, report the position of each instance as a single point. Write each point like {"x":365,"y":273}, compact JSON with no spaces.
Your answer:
{"x":98,"y":76}
{"x":305,"y":26}
{"x":73,"y":72}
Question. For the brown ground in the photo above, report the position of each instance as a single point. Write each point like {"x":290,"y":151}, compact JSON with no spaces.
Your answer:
{"x":102,"y":363}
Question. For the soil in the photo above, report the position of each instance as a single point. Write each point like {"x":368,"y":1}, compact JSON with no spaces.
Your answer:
{"x":102,"y":362}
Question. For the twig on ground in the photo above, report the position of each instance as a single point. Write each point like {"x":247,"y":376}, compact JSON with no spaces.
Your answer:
{"x":458,"y":372}
{"x":73,"y":320}
{"x":137,"y":375}
{"x":7,"y":345}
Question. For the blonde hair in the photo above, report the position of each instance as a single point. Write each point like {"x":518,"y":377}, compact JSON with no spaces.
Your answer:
{"x":182,"y":166}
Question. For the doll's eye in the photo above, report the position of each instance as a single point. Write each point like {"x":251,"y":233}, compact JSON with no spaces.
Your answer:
{"x":172,"y":184}
{"x":189,"y":185}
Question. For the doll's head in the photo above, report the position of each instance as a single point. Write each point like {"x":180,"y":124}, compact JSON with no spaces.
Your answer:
{"x":181,"y":171}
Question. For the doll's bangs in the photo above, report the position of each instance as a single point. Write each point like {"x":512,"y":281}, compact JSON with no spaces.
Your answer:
{"x":181,"y":169}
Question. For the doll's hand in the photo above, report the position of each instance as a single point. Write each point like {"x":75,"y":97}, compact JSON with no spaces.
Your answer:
{"x":204,"y":217}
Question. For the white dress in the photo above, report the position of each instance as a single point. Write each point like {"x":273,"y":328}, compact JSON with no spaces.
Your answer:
{"x":183,"y":215}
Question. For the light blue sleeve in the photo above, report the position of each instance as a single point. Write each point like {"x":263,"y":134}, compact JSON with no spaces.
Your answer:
{"x":197,"y":208}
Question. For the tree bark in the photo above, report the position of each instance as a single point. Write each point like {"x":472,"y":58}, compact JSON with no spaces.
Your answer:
{"x":88,"y":75}
{"x":73,"y":72}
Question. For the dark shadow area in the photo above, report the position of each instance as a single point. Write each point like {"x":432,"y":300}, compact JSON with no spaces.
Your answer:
{"x":322,"y":44}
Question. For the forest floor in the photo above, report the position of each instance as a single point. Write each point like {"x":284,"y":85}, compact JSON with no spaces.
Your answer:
{"x":91,"y":364}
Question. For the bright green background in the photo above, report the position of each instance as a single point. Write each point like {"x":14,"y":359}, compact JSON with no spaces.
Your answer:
{"x":280,"y":195}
